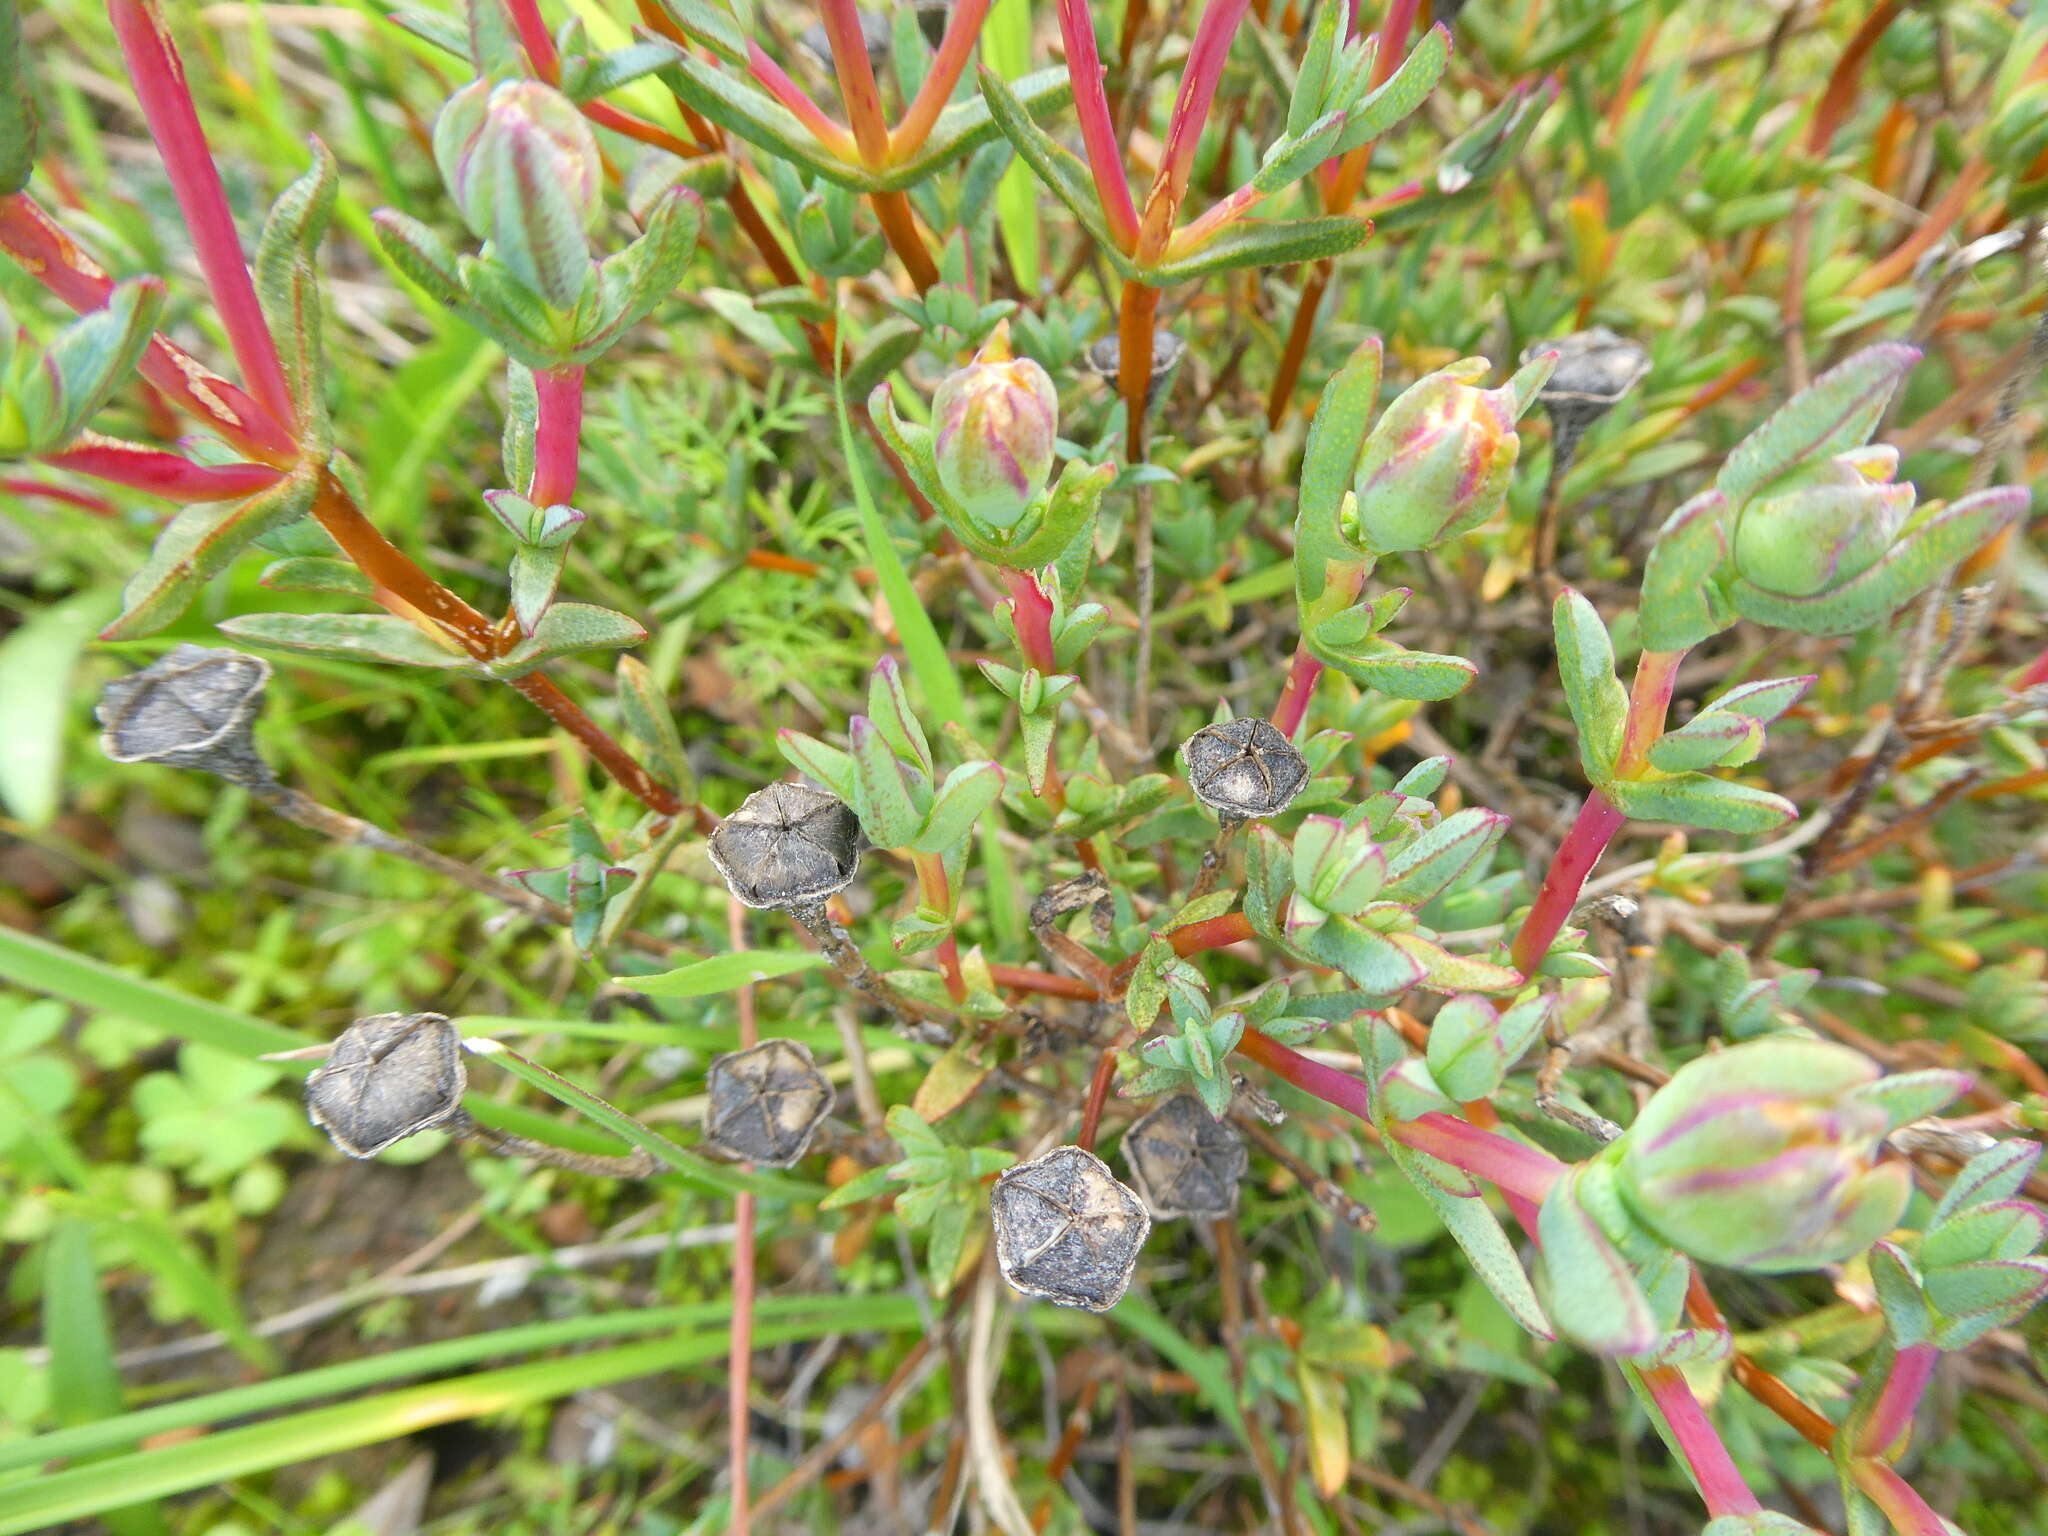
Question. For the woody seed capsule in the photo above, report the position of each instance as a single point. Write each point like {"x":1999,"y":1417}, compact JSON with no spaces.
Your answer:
{"x":191,"y":709}
{"x":1184,"y":1162}
{"x":766,"y":1103}
{"x":389,"y":1076}
{"x":788,"y":845}
{"x":1066,"y":1231}
{"x":1244,"y":769}
{"x":1595,"y":370}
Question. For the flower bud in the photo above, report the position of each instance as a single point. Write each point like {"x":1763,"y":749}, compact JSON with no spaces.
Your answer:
{"x":1066,"y":1230}
{"x":389,"y":1076}
{"x":1819,"y":529}
{"x":1763,"y":1157}
{"x":1438,"y":462}
{"x":191,"y":709}
{"x":788,"y":845}
{"x":523,"y":167}
{"x":994,"y":423}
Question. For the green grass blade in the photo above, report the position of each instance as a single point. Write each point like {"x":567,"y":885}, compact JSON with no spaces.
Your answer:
{"x":81,"y":1492}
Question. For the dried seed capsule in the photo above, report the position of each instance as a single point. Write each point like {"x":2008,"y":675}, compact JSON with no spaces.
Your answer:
{"x":766,"y":1103}
{"x":1595,"y":369}
{"x":1066,"y":1230}
{"x":1106,"y":354}
{"x":788,"y":845}
{"x":1184,"y":1161}
{"x":191,"y":709}
{"x":389,"y":1076}
{"x":1244,"y":769}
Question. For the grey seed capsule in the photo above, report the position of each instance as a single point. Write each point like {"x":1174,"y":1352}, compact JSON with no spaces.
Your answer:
{"x":787,"y":846}
{"x":1244,"y":769}
{"x":766,"y":1103}
{"x":1105,"y":355}
{"x":1184,"y":1162}
{"x":389,"y":1076}
{"x":1066,"y":1231}
{"x":1595,"y":369}
{"x":191,"y":709}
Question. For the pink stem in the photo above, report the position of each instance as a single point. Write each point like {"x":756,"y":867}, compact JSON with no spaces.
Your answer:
{"x":1720,"y":1484}
{"x":1031,"y":613}
{"x":1299,"y":691}
{"x":1899,"y":1398}
{"x":1198,"y":81}
{"x":1098,"y":128}
{"x":85,"y":501}
{"x":47,"y":254}
{"x":834,"y":138}
{"x":1649,"y":700}
{"x":1214,"y":220}
{"x":558,"y":435}
{"x":2036,"y":673}
{"x":1519,"y":1170}
{"x":1576,"y":858}
{"x":956,"y":48}
{"x":1394,"y":34}
{"x":534,"y":38}
{"x":159,"y":79}
{"x":856,"y":74}
{"x":160,"y":473}
{"x":1909,"y":1514}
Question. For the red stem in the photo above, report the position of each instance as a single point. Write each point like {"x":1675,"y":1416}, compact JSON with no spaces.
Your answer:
{"x":48,"y":255}
{"x":2036,"y":673}
{"x":793,"y":96}
{"x":1212,"y":933}
{"x":1098,"y":128}
{"x":158,"y":471}
{"x":1098,"y":1097}
{"x":1518,"y":1170}
{"x":1198,"y":81}
{"x":1299,"y":692}
{"x":1576,"y":858}
{"x":1018,"y":978}
{"x":856,"y":79}
{"x":1031,"y":615}
{"x":558,"y":435}
{"x":1897,"y":1401}
{"x":85,"y":501}
{"x":1909,"y":1514}
{"x":1720,"y":1484}
{"x":158,"y":76}
{"x":955,"y":50}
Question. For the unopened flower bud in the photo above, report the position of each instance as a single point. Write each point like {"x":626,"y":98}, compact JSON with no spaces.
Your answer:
{"x":1184,"y":1161}
{"x":1438,"y":462}
{"x":1066,"y":1231}
{"x":1763,"y":1157}
{"x":1243,"y":769}
{"x":389,"y":1076}
{"x":194,"y":708}
{"x":788,"y":845}
{"x":766,"y":1103}
{"x":994,"y":423}
{"x":1823,"y":527}
{"x":523,"y":167}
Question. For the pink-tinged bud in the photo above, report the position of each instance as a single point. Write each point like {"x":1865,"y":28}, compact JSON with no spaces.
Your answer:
{"x":1438,"y":462}
{"x":1764,"y":1156}
{"x":994,"y":424}
{"x":523,"y":167}
{"x":1826,"y":526}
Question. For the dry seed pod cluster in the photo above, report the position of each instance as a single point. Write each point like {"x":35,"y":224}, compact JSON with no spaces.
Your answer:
{"x":767,"y":1102}
{"x":194,"y":708}
{"x":787,"y":846}
{"x":1066,"y":1231}
{"x":1244,"y":769}
{"x":389,"y":1076}
{"x":1184,"y":1161}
